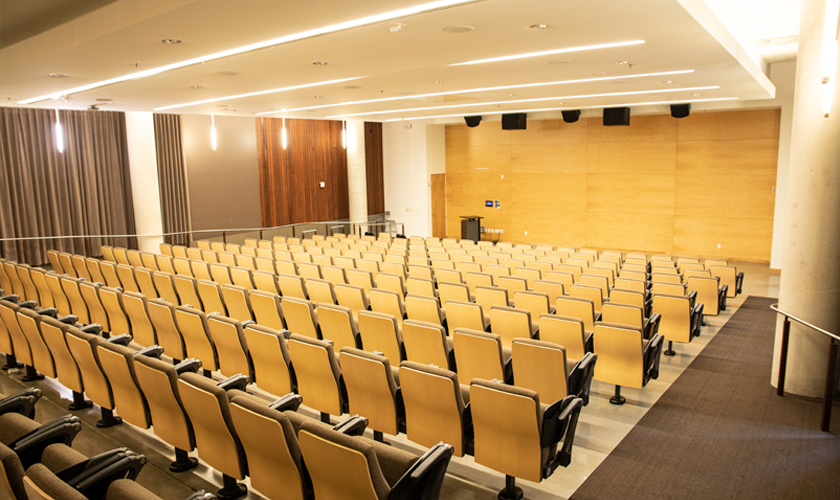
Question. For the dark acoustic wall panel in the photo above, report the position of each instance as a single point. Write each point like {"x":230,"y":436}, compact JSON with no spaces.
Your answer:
{"x":290,"y":178}
{"x":374,"y":168}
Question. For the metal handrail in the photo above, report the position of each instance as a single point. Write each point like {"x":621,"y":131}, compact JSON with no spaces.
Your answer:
{"x":831,"y":368}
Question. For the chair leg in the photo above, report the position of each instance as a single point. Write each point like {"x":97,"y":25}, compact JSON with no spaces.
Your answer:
{"x":232,"y":489}
{"x":670,"y":351}
{"x":79,"y":402}
{"x":325,"y":417}
{"x":618,"y":399}
{"x":32,"y":374}
{"x":183,"y":461}
{"x":108,"y":419}
{"x":207,"y":373}
{"x":511,"y":491}
{"x":12,"y":362}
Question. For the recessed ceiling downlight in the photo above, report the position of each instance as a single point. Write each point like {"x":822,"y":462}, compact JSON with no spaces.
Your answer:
{"x":57,"y":75}
{"x":463,"y":28}
{"x":538,"y":26}
{"x":319,"y":63}
{"x":560,"y":61}
{"x":171,"y":41}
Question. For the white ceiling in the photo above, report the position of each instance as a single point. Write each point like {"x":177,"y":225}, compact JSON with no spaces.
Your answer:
{"x":125,"y":36}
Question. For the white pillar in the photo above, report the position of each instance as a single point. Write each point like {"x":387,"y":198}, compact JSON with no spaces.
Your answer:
{"x":145,"y":190}
{"x":357,"y":171}
{"x":810,"y":282}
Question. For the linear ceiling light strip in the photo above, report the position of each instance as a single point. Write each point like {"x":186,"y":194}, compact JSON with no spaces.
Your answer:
{"x":519,"y":101}
{"x":551,"y":52}
{"x":378,"y":18}
{"x":483,"y":113}
{"x":481,"y":89}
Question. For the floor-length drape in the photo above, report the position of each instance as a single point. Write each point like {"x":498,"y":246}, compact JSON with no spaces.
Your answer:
{"x":85,"y":190}
{"x":174,"y":204}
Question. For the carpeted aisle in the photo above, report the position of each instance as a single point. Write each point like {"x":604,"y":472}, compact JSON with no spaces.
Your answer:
{"x":720,"y":431}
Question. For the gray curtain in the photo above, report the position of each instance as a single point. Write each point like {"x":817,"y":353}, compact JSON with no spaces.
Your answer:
{"x":86,"y":190}
{"x":174,"y":206}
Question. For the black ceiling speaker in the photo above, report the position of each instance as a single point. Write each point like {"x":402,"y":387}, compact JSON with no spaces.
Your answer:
{"x":616,"y":116}
{"x":472,"y":121}
{"x":680,"y":110}
{"x":571,"y":116}
{"x":514,"y":121}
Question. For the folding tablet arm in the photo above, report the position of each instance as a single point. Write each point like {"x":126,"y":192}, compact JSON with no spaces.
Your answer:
{"x":559,"y":424}
{"x":29,"y":447}
{"x":580,"y":380}
{"x":652,"y":355}
{"x":422,"y":481}
{"x":22,"y":402}
{"x":93,"y":476}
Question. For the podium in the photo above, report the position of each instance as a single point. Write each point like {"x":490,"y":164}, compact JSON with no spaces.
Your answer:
{"x":471,"y":227}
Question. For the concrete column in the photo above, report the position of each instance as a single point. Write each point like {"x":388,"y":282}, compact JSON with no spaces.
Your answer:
{"x":357,"y":170}
{"x":810,"y":281}
{"x":142,"y":157}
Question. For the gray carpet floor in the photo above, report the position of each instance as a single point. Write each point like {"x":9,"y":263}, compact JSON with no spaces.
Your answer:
{"x":720,"y":431}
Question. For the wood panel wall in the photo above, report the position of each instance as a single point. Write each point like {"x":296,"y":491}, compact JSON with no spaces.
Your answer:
{"x":289,"y":179}
{"x":374,"y":167}
{"x":660,"y":185}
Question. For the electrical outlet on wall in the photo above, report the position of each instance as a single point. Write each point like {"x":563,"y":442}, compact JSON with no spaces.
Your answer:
{"x":718,"y":245}
{"x":526,"y":233}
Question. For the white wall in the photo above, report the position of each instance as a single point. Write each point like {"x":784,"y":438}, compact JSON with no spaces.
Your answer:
{"x":142,"y":157}
{"x":783,"y":76}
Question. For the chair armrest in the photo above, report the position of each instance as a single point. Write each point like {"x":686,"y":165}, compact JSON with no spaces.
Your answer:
{"x":191,"y":365}
{"x":122,"y":340}
{"x":724,"y":290}
{"x":22,"y":402}
{"x":692,"y":298}
{"x":289,"y":402}
{"x":52,"y":312}
{"x":353,"y":426}
{"x":286,"y":333}
{"x":30,"y":446}
{"x":70,"y":319}
{"x":425,"y":477}
{"x":238,"y":381}
{"x":154,"y":351}
{"x":29,"y":304}
{"x":652,"y":356}
{"x":99,"y":472}
{"x":560,"y":423}
{"x":580,"y":380}
{"x":739,"y":282}
{"x":93,"y":328}
{"x":652,"y":325}
{"x":14,"y":299}
{"x":697,"y":319}
{"x":248,"y":322}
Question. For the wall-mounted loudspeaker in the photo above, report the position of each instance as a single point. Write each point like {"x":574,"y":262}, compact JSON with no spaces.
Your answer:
{"x":514,"y":121}
{"x":571,"y":116}
{"x":616,"y":116}
{"x":680,"y":110}
{"x":472,"y":121}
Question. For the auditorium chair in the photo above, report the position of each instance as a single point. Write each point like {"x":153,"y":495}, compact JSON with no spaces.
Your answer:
{"x":55,"y":263}
{"x":466,"y":315}
{"x":625,"y":357}
{"x":112,"y":301}
{"x":67,"y":267}
{"x":513,"y":284}
{"x":136,"y":308}
{"x":479,"y":354}
{"x":550,"y":288}
{"x":29,"y":323}
{"x":728,"y":276}
{"x":369,"y":470}
{"x":372,"y":390}
{"x":242,"y":276}
{"x":78,"y":307}
{"x":179,"y":251}
{"x":269,"y":355}
{"x":210,"y":294}
{"x":680,"y":321}
{"x":187,"y":288}
{"x":300,"y":317}
{"x":709,"y":293}
{"x":220,"y":273}
{"x":454,"y":291}
{"x":435,"y":407}
{"x":319,"y":377}
{"x":475,"y":279}
{"x":183,"y":267}
{"x":165,"y":263}
{"x":165,"y":286}
{"x":208,"y":406}
{"x":379,"y":332}
{"x":334,"y":274}
{"x":201,"y":270}
{"x":320,"y":291}
{"x":128,"y":282}
{"x":631,"y":298}
{"x":237,"y":302}
{"x":338,"y":326}
{"x":120,"y":256}
{"x":600,"y":282}
{"x":39,"y":279}
{"x":305,"y":269}
{"x":421,"y":286}
{"x":168,"y":332}
{"x":427,"y":343}
{"x":591,"y":293}
{"x":388,"y":302}
{"x":393,"y":282}
{"x":231,"y":346}
{"x":117,"y":364}
{"x":198,"y":343}
{"x":84,"y":349}
{"x":422,"y":272}
{"x":18,"y":347}
{"x":535,"y":302}
{"x":145,"y":282}
{"x":424,"y":308}
{"x":568,"y":332}
{"x":267,"y":309}
{"x":634,"y":316}
{"x":544,"y":368}
{"x":448,"y":276}
{"x":512,"y":322}
{"x":577,"y":307}
{"x":489,"y":296}
{"x":292,"y":286}
{"x":22,"y":272}
{"x":266,"y":281}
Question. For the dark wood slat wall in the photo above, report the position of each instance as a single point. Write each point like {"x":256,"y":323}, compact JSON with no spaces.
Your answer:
{"x":374,"y":168}
{"x":289,"y":179}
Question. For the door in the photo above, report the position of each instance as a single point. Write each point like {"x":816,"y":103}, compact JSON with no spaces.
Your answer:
{"x":439,"y":205}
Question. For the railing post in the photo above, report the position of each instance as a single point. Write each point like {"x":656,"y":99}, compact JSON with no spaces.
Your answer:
{"x":261,"y":234}
{"x":780,"y":385}
{"x":829,"y":386}
{"x":224,"y":237}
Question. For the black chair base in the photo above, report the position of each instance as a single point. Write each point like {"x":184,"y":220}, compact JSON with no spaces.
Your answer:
{"x":670,"y":350}
{"x":618,"y":399}
{"x":79,"y":402}
{"x":11,"y":362}
{"x":511,"y":491}
{"x":108,"y":419}
{"x":32,"y":375}
{"x":232,"y":490}
{"x":325,"y":417}
{"x":183,"y":461}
